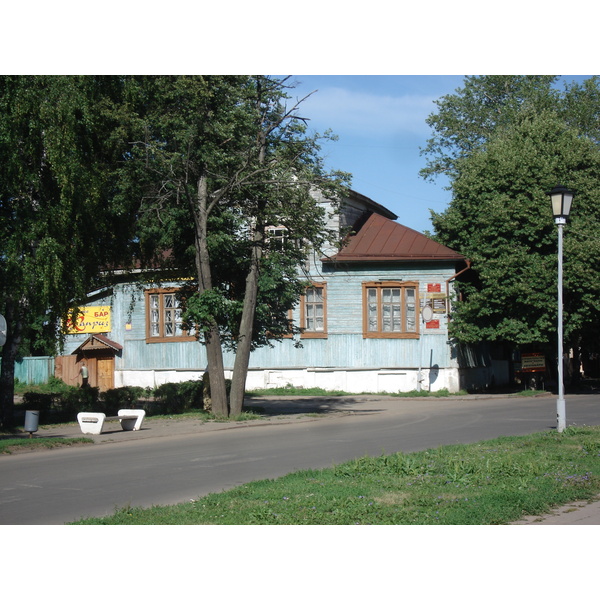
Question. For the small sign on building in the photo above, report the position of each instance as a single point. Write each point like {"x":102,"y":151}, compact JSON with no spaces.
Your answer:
{"x":533,"y":363}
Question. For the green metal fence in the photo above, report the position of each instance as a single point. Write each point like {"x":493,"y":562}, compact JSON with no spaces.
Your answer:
{"x":34,"y":369}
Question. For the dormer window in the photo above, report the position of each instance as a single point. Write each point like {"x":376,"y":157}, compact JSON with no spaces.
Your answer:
{"x":277,"y":237}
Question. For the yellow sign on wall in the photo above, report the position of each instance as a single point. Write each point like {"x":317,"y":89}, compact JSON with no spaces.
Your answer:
{"x":91,"y":319}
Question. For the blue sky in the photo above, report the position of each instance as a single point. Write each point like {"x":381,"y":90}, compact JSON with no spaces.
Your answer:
{"x":388,"y":65}
{"x":380,"y":123}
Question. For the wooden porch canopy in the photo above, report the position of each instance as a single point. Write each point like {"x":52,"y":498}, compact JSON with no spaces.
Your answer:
{"x":98,"y":342}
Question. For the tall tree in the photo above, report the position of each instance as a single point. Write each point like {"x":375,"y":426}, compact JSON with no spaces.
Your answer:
{"x":59,"y":220}
{"x":466,"y":120}
{"x":504,"y":142}
{"x":500,"y":217}
{"x":221,"y":158}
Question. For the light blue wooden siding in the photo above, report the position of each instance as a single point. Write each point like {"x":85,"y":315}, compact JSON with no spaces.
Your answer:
{"x":343,"y":348}
{"x":138,"y":355}
{"x":128,"y":328}
{"x":344,"y":289}
{"x":354,"y":352}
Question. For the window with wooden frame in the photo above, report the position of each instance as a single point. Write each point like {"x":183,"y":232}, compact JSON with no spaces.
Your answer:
{"x":390,"y":309}
{"x":313,"y":311}
{"x":163,"y":317}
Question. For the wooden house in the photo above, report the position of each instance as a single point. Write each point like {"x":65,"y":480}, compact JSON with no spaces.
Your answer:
{"x":374,"y":319}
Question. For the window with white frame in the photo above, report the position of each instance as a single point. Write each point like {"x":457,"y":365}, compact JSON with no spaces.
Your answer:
{"x":390,"y":309}
{"x":276,"y":237}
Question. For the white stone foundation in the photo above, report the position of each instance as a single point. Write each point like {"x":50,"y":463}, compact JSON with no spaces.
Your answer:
{"x":354,"y":381}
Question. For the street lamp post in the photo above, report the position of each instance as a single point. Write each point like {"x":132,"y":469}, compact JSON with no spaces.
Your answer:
{"x":561,"y":206}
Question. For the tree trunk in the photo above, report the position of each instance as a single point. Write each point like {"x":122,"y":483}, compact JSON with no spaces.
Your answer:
{"x":7,"y":373}
{"x":212,"y":337}
{"x":216,"y":372}
{"x":244,"y":345}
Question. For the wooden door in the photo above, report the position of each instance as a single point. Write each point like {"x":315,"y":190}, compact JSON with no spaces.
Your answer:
{"x":105,"y":369}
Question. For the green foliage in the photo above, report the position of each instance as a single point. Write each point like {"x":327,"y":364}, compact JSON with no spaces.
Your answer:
{"x":171,"y":171}
{"x":42,"y":401}
{"x":177,"y":398}
{"x":212,"y":135}
{"x":57,"y":163}
{"x":218,"y":160}
{"x":500,"y":216}
{"x":76,"y":400}
{"x":487,"y":483}
{"x":124,"y":397}
{"x":467,"y":119}
{"x":290,"y":390}
{"x":61,"y":139}
{"x":63,"y":404}
{"x":54,"y":385}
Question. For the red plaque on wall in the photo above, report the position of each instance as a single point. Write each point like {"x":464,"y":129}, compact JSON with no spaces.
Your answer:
{"x":435,"y":324}
{"x":434,"y":287}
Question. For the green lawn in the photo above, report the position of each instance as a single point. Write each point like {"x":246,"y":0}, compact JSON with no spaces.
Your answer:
{"x":491,"y":482}
{"x":10,"y":445}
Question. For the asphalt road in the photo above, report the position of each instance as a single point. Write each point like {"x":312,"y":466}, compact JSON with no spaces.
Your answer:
{"x":59,"y":486}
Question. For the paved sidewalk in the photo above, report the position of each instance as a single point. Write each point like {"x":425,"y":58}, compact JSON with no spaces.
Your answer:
{"x":293,"y":410}
{"x":164,"y":427}
{"x":576,"y":513}
{"x":287,"y":410}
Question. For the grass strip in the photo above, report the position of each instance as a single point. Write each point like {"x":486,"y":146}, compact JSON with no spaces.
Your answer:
{"x":491,"y":482}
{"x":10,"y":445}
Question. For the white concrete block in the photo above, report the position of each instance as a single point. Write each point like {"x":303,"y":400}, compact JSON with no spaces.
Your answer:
{"x":91,"y":422}
{"x":130,"y":425}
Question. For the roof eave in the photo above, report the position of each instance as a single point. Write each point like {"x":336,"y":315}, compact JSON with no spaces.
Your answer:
{"x":411,"y":258}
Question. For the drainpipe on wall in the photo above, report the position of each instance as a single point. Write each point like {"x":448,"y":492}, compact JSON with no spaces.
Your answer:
{"x":448,"y":285}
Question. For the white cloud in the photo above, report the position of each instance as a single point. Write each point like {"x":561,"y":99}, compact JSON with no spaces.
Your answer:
{"x":362,"y":113}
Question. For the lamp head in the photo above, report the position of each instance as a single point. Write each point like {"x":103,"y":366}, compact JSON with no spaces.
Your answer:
{"x":561,"y":198}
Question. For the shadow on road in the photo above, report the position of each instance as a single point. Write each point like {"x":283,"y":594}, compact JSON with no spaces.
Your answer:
{"x":275,"y":406}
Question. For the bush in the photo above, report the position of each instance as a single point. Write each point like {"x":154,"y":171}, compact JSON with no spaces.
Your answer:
{"x":42,"y":401}
{"x":56,"y":407}
{"x":90,"y":399}
{"x":63,"y":404}
{"x":176,"y":398}
{"x":75,"y":400}
{"x":126,"y":397}
{"x":53,"y":386}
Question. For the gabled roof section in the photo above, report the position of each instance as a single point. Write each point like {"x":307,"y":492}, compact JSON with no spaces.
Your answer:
{"x":381,"y":239}
{"x":371,"y":205}
{"x":97,"y":341}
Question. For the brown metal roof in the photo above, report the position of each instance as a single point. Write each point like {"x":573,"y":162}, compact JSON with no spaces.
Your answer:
{"x":380,"y":239}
